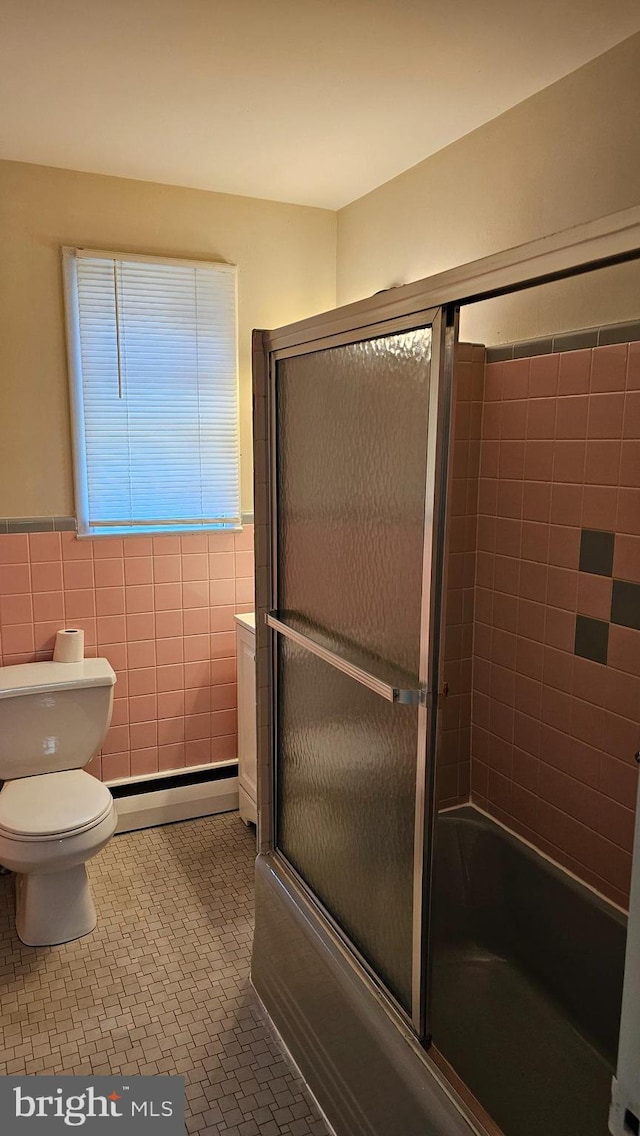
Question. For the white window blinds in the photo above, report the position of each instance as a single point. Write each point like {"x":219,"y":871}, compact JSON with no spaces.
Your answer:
{"x":154,"y":384}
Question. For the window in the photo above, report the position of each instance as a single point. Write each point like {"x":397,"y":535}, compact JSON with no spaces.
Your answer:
{"x":154,"y":392}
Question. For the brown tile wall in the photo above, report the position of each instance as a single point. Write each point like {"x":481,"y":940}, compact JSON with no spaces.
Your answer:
{"x":455,"y":735}
{"x":554,"y":735}
{"x":161,"y":610}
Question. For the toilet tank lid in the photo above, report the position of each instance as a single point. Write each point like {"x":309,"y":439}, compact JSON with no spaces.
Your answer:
{"x":30,"y":678}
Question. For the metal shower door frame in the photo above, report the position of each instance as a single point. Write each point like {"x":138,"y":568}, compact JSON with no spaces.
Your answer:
{"x":608,"y":240}
{"x":443,"y":323}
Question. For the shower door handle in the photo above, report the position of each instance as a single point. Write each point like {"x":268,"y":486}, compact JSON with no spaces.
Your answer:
{"x":407,"y":696}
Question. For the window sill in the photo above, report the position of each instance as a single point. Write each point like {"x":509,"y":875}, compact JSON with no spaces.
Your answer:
{"x":146,"y":530}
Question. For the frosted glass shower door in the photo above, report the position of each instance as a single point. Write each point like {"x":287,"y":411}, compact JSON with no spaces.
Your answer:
{"x":353,"y":488}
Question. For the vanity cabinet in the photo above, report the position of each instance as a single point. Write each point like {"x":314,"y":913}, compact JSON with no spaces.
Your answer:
{"x":247,"y":758}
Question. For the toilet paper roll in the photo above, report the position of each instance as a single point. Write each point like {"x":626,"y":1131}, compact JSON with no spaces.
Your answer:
{"x":69,"y":646}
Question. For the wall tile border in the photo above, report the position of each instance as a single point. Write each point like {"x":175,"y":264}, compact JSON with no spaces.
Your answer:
{"x":568,"y":341}
{"x":37,"y":524}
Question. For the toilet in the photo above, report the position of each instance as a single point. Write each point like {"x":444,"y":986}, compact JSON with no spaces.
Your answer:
{"x":53,"y":816}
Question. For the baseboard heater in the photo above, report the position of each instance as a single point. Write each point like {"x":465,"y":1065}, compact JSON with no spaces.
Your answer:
{"x":176,"y":795}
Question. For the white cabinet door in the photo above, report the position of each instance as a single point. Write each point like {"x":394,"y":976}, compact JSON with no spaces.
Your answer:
{"x":247,"y":767}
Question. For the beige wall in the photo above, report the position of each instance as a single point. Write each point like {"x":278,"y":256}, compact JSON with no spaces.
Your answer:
{"x":286,"y":271}
{"x":565,"y":156}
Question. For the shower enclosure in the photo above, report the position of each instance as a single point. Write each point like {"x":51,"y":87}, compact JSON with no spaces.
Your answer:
{"x":402,"y":934}
{"x":354,"y":494}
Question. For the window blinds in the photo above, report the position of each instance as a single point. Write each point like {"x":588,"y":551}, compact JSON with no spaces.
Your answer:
{"x":154,"y":392}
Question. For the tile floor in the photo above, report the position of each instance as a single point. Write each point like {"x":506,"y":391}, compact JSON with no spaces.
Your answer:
{"x":162,"y":984}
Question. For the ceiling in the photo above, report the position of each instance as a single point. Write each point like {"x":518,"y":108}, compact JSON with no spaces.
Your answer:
{"x":307,"y":101}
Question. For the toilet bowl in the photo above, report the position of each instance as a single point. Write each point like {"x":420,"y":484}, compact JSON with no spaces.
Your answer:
{"x":53,"y":816}
{"x":49,"y":827}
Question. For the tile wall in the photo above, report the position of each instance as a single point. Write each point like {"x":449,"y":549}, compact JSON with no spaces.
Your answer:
{"x":455,"y":737}
{"x":161,"y":610}
{"x":556,"y":669}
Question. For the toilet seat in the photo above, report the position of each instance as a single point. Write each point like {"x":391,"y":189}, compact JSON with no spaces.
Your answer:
{"x":53,"y":806}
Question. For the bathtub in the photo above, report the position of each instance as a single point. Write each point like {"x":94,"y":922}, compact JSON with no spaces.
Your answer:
{"x":526,"y":989}
{"x":527,"y":978}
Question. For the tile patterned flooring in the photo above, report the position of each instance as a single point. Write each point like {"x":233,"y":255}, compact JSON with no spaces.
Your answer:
{"x":161,"y":985}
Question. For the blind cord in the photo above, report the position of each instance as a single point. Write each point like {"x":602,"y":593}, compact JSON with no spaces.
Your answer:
{"x":117,"y":312}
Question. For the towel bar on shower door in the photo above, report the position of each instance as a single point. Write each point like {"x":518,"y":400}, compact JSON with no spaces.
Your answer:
{"x":392,"y":691}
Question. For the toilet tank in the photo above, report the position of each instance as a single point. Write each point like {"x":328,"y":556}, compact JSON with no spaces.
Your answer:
{"x":53,"y":716}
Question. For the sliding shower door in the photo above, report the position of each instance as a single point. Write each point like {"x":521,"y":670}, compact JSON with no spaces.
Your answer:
{"x":354,"y":430}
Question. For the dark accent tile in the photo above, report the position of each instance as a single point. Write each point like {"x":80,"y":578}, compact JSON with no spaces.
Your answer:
{"x":499,"y":354}
{"x":533,"y":347}
{"x":576,"y":340}
{"x":592,"y":638}
{"x":625,"y":604}
{"x":64,"y":524}
{"x":596,"y":552}
{"x":619,"y":333}
{"x":3,"y":525}
{"x":29,"y":524}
